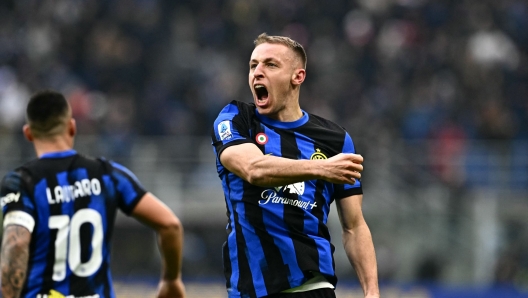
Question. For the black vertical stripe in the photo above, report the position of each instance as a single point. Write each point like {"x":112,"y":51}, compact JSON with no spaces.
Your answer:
{"x":305,"y":248}
{"x":245,"y":281}
{"x":320,"y":201}
{"x":111,"y":208}
{"x":228,"y":268}
{"x":228,"y":271}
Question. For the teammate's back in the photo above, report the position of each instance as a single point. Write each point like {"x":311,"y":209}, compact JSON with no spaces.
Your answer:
{"x":59,"y":213}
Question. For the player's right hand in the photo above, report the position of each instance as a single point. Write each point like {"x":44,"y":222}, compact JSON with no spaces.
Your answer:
{"x":343,"y":168}
{"x":171,"y":289}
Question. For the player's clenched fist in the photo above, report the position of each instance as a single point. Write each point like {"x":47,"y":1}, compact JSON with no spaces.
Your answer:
{"x":343,"y":168}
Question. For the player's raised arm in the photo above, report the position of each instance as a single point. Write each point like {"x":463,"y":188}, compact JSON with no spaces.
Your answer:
{"x":249,"y":163}
{"x":154,"y":213}
{"x":14,"y":259}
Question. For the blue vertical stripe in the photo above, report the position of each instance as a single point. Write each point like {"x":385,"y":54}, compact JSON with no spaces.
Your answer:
{"x":126,"y":189}
{"x":348,"y":147}
{"x":327,"y":191}
{"x":273,"y":145}
{"x":41,"y":233}
{"x":109,"y":185}
{"x":325,"y":252}
{"x":231,"y":239}
{"x":63,"y":286}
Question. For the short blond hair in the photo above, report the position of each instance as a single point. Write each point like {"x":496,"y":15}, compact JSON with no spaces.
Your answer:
{"x":296,"y":47}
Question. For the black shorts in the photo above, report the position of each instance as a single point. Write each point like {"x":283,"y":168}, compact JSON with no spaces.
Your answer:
{"x":319,"y":293}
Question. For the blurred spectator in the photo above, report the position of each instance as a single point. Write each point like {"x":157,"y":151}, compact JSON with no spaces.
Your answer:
{"x":13,"y":99}
{"x":400,"y":66}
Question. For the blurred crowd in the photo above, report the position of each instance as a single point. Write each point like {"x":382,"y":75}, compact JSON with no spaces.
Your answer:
{"x":387,"y":70}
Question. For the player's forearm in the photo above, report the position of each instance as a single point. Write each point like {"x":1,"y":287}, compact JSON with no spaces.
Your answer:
{"x":360,"y":251}
{"x":274,"y":171}
{"x":171,"y":246}
{"x":14,"y":260}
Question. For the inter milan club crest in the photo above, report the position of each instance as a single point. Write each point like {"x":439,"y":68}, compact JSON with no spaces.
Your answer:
{"x":318,"y":155}
{"x":261,"y":138}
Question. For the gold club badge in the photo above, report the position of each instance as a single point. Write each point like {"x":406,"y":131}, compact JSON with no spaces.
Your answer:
{"x":318,"y":155}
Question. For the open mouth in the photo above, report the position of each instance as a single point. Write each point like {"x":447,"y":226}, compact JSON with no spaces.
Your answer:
{"x":261,"y":92}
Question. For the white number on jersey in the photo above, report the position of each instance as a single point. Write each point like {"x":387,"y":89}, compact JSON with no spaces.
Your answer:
{"x":69,"y":233}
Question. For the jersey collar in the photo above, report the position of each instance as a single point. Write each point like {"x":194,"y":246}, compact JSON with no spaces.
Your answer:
{"x":59,"y":154}
{"x":284,"y":125}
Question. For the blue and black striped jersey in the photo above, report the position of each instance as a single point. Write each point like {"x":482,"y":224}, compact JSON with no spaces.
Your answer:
{"x":277,"y":236}
{"x":69,"y":202}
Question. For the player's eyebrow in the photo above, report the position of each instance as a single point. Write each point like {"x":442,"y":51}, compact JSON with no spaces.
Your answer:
{"x":266,"y":60}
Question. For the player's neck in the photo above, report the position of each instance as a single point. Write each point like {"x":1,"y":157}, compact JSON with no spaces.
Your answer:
{"x":290,"y":114}
{"x":55,"y":144}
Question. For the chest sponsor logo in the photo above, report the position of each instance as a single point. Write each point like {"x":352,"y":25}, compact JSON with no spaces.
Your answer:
{"x":224,"y":129}
{"x":9,"y":198}
{"x":276,"y":196}
{"x":318,"y":155}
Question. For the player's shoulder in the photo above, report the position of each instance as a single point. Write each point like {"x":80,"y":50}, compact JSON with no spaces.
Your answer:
{"x":14,"y":180}
{"x":118,"y":168}
{"x":325,"y":123}
{"x":236,"y":111}
{"x":236,"y":107}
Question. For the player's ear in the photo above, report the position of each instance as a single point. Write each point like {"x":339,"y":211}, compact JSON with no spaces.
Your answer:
{"x":298,"y":76}
{"x":27,"y":132}
{"x":72,"y":127}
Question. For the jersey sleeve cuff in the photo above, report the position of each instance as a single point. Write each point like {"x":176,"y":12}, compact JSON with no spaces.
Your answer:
{"x":233,"y":143}
{"x":20,"y":218}
{"x":349,"y":192}
{"x":130,"y":208}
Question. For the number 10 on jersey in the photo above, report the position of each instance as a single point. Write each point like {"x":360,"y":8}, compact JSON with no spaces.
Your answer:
{"x":68,"y":243}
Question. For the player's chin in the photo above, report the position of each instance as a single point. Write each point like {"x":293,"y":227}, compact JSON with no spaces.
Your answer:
{"x":263,"y":111}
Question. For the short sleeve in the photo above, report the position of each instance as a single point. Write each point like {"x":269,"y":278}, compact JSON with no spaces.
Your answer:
{"x":230,"y":128}
{"x":128,"y":186}
{"x":346,"y":190}
{"x":17,"y":206}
